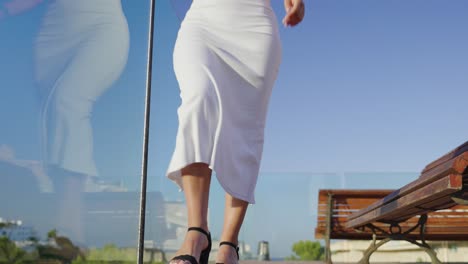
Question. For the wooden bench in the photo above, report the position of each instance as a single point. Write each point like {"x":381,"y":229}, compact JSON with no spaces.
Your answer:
{"x":433,"y":207}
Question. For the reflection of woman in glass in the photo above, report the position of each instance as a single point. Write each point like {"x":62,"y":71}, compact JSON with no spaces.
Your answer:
{"x":81,"y":49}
{"x":226,"y":59}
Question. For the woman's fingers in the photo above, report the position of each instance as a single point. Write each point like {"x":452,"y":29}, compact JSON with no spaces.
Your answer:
{"x":295,"y":12}
{"x":287,"y":5}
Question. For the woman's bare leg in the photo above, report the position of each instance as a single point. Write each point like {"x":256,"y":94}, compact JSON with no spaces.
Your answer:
{"x":234,"y":213}
{"x":196,"y":180}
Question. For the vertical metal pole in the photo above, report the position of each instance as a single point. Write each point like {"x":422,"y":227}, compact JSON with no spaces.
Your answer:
{"x":144,"y":166}
{"x":328,"y":229}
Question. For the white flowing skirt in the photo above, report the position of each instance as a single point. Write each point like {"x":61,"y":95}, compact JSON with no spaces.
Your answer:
{"x":226,"y":60}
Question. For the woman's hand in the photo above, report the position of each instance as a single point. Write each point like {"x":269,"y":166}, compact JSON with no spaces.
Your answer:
{"x":294,"y":12}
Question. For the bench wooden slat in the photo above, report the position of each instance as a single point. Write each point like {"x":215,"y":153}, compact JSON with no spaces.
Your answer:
{"x":433,"y":233}
{"x":447,"y":217}
{"x":352,"y":200}
{"x":349,"y":205}
{"x":346,"y":193}
{"x":457,"y":165}
{"x":456,"y":152}
{"x":456,"y":218}
{"x":439,"y":188}
{"x":453,"y":223}
{"x":456,"y":211}
{"x":440,"y":203}
{"x":441,"y":235}
{"x":401,"y":215}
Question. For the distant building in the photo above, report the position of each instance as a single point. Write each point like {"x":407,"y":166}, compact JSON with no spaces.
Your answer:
{"x":113,"y":217}
{"x":95,"y":185}
{"x":15,"y":231}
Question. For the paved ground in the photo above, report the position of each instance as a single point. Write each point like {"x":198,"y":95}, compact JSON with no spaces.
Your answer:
{"x":321,"y":262}
{"x":280,"y":262}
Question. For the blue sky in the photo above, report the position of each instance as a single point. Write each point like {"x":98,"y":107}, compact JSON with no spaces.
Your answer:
{"x":365,"y":86}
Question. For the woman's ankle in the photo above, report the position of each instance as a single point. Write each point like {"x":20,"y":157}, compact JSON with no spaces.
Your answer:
{"x":196,"y":238}
{"x":227,"y":255}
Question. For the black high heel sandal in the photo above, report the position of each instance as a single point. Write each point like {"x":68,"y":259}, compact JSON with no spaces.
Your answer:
{"x":205,"y":254}
{"x":236,"y":247}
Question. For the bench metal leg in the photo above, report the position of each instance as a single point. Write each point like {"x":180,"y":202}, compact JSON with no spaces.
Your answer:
{"x":431,"y":254}
{"x":396,"y":234}
{"x":422,"y":232}
{"x":460,"y":199}
{"x":372,"y":248}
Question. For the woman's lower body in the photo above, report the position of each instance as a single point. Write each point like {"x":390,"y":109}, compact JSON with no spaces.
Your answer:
{"x":226,"y":59}
{"x":80,"y":50}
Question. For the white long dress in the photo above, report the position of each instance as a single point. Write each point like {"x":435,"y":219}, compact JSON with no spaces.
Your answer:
{"x":226,"y":60}
{"x":81,"y":49}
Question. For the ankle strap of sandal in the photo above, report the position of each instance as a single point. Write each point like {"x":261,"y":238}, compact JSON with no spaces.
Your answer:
{"x":236,"y":247}
{"x":201,"y":230}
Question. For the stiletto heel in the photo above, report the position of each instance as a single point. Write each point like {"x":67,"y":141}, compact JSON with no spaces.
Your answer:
{"x":236,"y":247}
{"x":204,"y":255}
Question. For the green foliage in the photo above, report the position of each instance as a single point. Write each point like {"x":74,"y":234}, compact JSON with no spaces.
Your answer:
{"x":452,"y":246}
{"x":52,"y":233}
{"x":83,"y":261}
{"x":307,"y":250}
{"x":64,"y":251}
{"x":110,"y":252}
{"x":107,"y":262}
{"x":2,"y":225}
{"x":34,"y":239}
{"x":10,"y":253}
